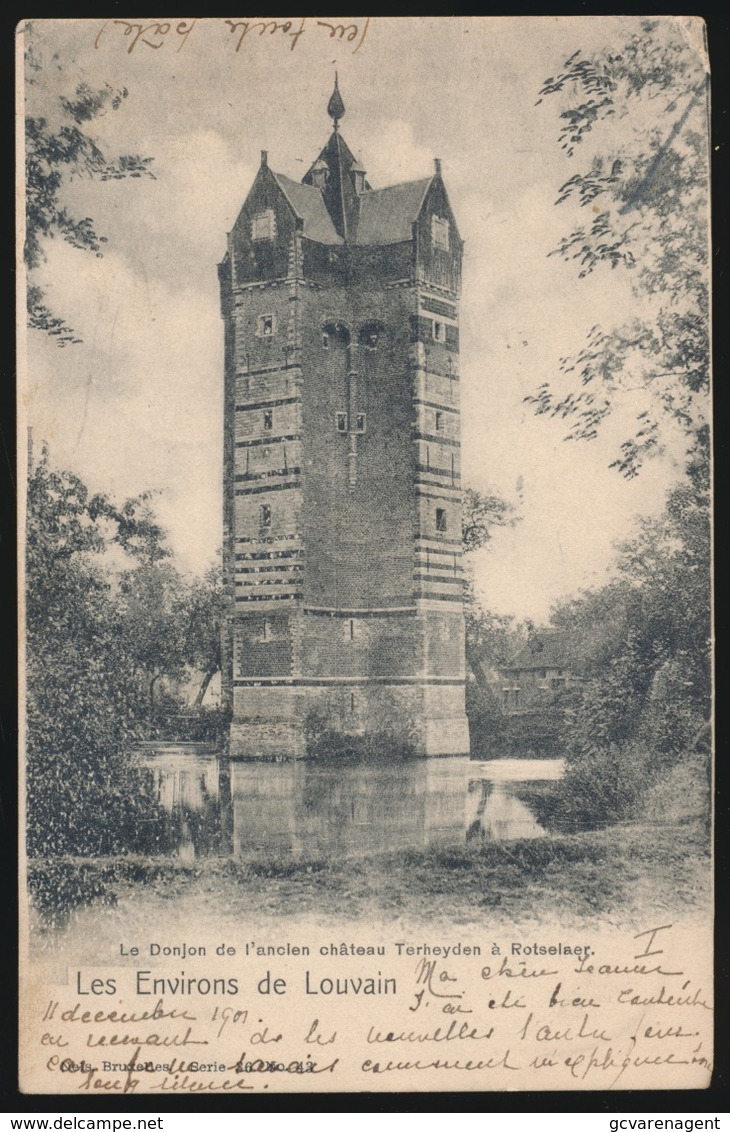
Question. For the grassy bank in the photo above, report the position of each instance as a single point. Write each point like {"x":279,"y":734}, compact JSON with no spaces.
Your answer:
{"x":625,"y":873}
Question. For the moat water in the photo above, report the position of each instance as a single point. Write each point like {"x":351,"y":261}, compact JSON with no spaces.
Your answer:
{"x":304,"y":810}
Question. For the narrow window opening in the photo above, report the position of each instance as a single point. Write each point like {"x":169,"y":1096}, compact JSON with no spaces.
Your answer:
{"x":352,"y":629}
{"x":360,"y":422}
{"x":452,"y":469}
{"x":352,"y":701}
{"x":428,"y":458}
{"x":439,"y":331}
{"x":268,"y":418}
{"x":266,"y":325}
{"x":440,"y":519}
{"x":440,"y":232}
{"x":325,"y":341}
{"x":439,"y":421}
{"x":265,"y":515}
{"x":341,"y":422}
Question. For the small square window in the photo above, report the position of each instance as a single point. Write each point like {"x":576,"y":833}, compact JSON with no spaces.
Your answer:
{"x":263,"y":226}
{"x":268,"y":418}
{"x":341,"y":422}
{"x":440,"y":519}
{"x":360,"y":422}
{"x":439,"y":331}
{"x":266,"y":326}
{"x":265,"y":515}
{"x":439,"y":422}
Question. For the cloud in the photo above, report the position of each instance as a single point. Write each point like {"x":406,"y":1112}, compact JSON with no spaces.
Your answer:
{"x":138,"y":406}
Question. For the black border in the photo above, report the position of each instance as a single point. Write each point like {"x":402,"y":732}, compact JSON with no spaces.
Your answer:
{"x":712,"y":1100}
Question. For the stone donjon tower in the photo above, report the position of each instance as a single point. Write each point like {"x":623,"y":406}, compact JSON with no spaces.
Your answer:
{"x":342,"y":516}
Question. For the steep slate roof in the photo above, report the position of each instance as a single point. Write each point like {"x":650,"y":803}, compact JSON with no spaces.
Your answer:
{"x":309,"y":206}
{"x":339,"y":194}
{"x":387,"y":215}
{"x":546,"y":649}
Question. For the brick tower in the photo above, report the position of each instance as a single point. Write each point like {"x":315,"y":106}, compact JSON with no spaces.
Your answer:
{"x":342,"y":504}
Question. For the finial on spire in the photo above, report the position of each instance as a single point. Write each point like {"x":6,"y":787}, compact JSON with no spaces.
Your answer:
{"x":335,"y":106}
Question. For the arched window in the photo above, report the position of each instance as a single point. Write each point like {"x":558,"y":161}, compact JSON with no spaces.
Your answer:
{"x":335,"y":333}
{"x":370,"y":334}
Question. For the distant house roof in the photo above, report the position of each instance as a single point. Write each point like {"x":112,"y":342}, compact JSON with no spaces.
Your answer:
{"x":387,"y":215}
{"x":309,"y":206}
{"x":545,"y":649}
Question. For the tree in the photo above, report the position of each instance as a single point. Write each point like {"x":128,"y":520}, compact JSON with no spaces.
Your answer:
{"x":642,"y":643}
{"x":153,"y":600}
{"x":490,"y":639}
{"x":480,"y":514}
{"x":54,"y":153}
{"x":638,"y":114}
{"x":202,"y":634}
{"x":84,"y":794}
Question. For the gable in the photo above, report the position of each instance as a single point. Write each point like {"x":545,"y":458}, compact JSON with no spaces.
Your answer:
{"x":259,"y":241}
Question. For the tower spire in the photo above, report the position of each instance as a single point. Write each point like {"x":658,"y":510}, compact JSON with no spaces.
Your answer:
{"x":335,"y":106}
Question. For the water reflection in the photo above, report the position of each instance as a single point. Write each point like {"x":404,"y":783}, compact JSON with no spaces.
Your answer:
{"x":310,"y":810}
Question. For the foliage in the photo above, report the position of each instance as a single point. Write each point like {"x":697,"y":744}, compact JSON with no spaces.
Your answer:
{"x":80,"y":683}
{"x":153,"y":607}
{"x":204,"y":624}
{"x":480,"y":514}
{"x":643,"y":645}
{"x":638,"y":115}
{"x":55,"y":153}
{"x":100,"y":638}
{"x":383,"y":742}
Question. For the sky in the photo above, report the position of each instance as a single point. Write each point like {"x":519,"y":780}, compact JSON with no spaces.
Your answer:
{"x":137,"y":405}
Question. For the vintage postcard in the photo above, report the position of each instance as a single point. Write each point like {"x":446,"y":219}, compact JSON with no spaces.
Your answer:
{"x":366,"y":605}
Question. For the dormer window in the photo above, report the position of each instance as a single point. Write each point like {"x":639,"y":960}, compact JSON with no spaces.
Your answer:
{"x":320,"y":174}
{"x":263,"y":225}
{"x":440,"y":232}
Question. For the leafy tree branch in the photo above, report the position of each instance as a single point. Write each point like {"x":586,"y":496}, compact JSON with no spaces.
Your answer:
{"x":55,"y":154}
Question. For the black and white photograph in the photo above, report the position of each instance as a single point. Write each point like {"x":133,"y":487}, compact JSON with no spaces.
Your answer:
{"x":364,"y":470}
